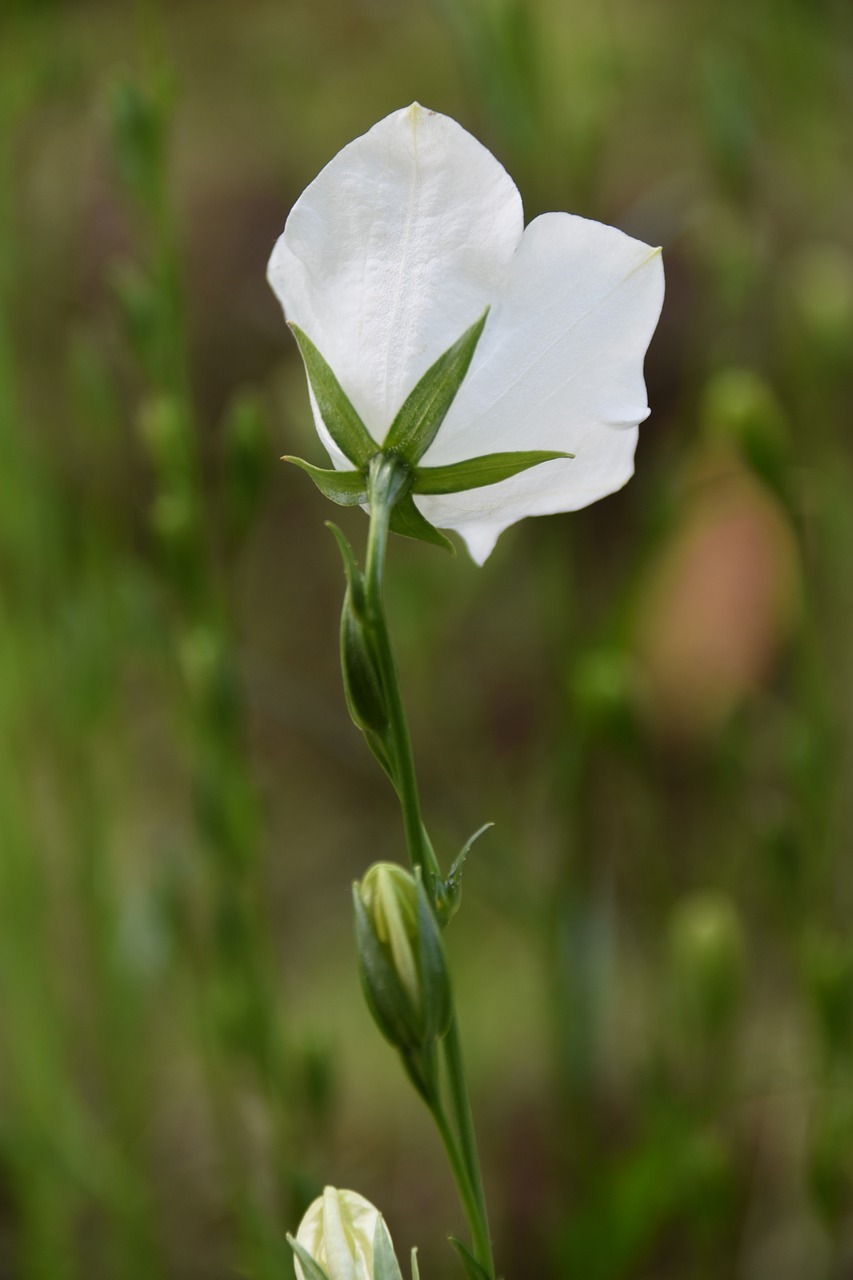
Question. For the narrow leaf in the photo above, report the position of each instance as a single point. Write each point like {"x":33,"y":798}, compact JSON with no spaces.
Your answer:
{"x":346,"y":488}
{"x":342,"y":422}
{"x":472,"y":1268}
{"x":449,"y":895}
{"x":417,"y":424}
{"x":475,"y":473}
{"x":354,"y":576}
{"x":311,"y":1269}
{"x":408,"y":521}
{"x":416,"y":1275}
{"x":385,"y":1264}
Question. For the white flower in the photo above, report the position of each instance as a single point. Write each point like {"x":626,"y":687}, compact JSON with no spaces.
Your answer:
{"x":339,"y":1231}
{"x":400,"y":244}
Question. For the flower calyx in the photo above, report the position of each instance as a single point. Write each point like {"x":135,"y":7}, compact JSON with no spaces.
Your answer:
{"x":410,"y":435}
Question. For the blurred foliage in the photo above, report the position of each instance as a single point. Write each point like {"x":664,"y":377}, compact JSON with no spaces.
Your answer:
{"x":651,"y":698}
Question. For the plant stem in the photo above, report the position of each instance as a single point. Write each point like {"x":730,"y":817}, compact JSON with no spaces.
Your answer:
{"x":387,"y":483}
{"x":461,"y":1107}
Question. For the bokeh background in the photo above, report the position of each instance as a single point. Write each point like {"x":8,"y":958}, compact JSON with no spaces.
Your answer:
{"x":652,"y":699}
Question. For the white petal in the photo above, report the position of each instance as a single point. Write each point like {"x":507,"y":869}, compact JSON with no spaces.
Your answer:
{"x":393,"y":251}
{"x":559,"y":366}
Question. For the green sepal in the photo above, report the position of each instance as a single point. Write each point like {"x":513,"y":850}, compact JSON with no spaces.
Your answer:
{"x":385,"y":1264}
{"x":354,"y":576}
{"x":409,"y":523}
{"x":475,"y":473}
{"x":421,"y":1067}
{"x":311,"y":1268}
{"x":416,"y":1275}
{"x":380,"y":748}
{"x":342,"y":422}
{"x":435,"y":983}
{"x":383,"y":992}
{"x":448,"y":893}
{"x":418,"y":422}
{"x":346,"y":488}
{"x":472,"y":1268}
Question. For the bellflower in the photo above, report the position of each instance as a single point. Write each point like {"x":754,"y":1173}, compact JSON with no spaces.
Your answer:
{"x":409,"y":246}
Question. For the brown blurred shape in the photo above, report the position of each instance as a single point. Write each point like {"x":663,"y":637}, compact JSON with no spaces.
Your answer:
{"x":719,"y":601}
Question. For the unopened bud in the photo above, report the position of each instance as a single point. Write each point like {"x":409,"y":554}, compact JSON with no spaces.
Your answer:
{"x":401,"y":957}
{"x":362,"y":682}
{"x":343,"y":1237}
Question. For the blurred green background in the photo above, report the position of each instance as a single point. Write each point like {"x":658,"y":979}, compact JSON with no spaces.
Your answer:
{"x":651,"y":699}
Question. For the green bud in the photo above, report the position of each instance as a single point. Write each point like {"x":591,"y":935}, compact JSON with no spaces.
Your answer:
{"x":362,"y":682}
{"x":401,"y":958}
{"x":708,"y":957}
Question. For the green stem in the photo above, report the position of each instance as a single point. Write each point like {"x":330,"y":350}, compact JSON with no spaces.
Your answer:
{"x":467,"y":1193}
{"x":386,"y":485}
{"x":388,"y":479}
{"x":460,"y":1104}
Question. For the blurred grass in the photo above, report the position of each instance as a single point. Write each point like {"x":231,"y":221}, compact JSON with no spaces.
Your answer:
{"x":651,"y":699}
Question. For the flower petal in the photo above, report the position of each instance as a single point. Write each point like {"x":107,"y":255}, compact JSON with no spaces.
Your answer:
{"x":559,"y":366}
{"x":394,"y":250}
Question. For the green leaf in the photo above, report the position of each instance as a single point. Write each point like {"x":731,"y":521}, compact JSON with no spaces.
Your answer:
{"x":312,"y":1269}
{"x":448,"y":896}
{"x":472,"y":1268}
{"x":354,"y":576}
{"x":346,"y":488}
{"x":475,"y":473}
{"x":342,"y":422}
{"x":408,"y":521}
{"x":416,"y":1275}
{"x":385,"y":1264}
{"x":417,"y":424}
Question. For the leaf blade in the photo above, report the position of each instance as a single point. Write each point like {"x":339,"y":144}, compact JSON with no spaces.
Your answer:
{"x":472,"y":1268}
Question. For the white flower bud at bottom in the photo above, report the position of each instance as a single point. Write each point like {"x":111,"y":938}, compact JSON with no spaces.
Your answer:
{"x":339,"y":1232}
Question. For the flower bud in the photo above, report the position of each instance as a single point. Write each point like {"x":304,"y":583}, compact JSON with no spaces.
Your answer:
{"x":343,"y":1237}
{"x":362,"y":681}
{"x":401,"y":957}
